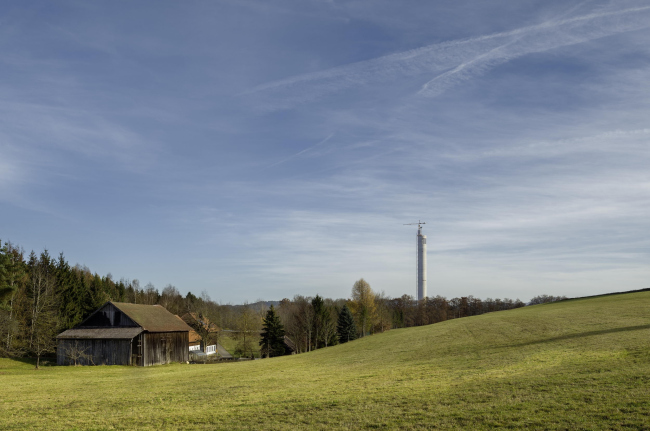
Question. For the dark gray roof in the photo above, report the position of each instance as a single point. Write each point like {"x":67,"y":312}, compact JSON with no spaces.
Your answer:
{"x":223,"y":352}
{"x":288,"y":342}
{"x":106,"y":333}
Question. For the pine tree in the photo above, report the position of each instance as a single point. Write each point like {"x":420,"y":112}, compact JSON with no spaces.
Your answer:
{"x":70,"y":312}
{"x":5,"y":289}
{"x":346,"y":327}
{"x":272,"y":341}
{"x":12,"y":298}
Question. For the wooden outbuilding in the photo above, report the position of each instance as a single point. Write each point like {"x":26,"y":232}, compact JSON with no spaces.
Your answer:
{"x":125,"y":334}
{"x":289,"y":346}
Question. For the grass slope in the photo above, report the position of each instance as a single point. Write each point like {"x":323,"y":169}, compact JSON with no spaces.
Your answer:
{"x":230,"y":344}
{"x":581,"y":364}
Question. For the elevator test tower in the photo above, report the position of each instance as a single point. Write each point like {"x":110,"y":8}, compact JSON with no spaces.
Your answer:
{"x":421,"y":261}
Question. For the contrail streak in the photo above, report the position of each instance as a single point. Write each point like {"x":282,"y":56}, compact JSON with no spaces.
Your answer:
{"x":541,"y":38}
{"x":301,"y":152}
{"x":455,"y":61}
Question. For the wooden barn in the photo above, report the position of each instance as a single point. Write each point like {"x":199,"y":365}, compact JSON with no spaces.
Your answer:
{"x":125,"y":334}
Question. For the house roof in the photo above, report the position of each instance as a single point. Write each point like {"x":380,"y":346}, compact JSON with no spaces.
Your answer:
{"x":152,"y":318}
{"x":194,"y":337}
{"x":193,"y":319}
{"x":105,"y":333}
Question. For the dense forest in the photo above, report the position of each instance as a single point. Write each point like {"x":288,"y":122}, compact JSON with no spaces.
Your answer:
{"x":41,"y":296}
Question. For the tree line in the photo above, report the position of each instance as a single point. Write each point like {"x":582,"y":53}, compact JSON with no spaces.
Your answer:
{"x":313,"y":323}
{"x":41,"y":296}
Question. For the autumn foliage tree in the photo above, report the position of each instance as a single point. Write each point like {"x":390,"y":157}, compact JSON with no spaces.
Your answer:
{"x":363,"y":306}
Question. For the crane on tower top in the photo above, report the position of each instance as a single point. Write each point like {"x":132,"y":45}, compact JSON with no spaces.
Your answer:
{"x":419,"y":223}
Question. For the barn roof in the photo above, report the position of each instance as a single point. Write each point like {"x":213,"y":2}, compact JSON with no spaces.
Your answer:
{"x":152,"y":318}
{"x":104,"y":333}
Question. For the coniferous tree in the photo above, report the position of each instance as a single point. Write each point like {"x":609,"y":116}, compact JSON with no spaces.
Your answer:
{"x":70,"y":307}
{"x":84,"y":294}
{"x":120,"y":289}
{"x":5,"y":289}
{"x":11,"y":311}
{"x":272,"y":340}
{"x":346,"y":327}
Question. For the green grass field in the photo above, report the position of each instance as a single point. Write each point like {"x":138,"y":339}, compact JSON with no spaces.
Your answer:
{"x":230,"y":344}
{"x":580,"y":364}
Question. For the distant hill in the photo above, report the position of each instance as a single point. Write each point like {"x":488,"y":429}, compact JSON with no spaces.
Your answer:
{"x":258,"y":305}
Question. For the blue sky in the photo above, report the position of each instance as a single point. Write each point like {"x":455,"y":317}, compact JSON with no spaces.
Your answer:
{"x":258,"y":150}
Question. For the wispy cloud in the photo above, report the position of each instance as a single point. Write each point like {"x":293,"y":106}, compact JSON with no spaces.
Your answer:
{"x":72,"y":129}
{"x":627,"y":142}
{"x":125,"y":133}
{"x":458,"y":60}
{"x":299,"y":153}
{"x":11,"y":170}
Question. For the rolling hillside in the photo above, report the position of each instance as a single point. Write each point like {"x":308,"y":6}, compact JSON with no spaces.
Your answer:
{"x":580,"y":364}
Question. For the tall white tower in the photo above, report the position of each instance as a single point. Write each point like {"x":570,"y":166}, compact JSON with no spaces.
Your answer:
{"x":422,"y":264}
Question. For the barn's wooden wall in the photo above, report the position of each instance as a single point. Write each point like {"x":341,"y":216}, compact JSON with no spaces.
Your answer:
{"x":100,"y":351}
{"x":165,"y":347}
{"x":144,"y":350}
{"x":137,"y":350}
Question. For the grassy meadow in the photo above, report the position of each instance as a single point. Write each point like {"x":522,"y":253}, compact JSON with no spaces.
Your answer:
{"x":579,"y":364}
{"x":230,"y":344}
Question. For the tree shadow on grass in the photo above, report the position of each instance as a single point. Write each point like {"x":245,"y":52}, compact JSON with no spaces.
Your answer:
{"x":580,"y":335}
{"x":45,"y":361}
